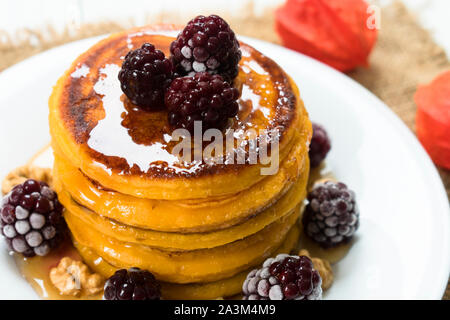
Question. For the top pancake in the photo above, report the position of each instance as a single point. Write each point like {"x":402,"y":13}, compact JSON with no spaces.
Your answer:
{"x":128,"y":150}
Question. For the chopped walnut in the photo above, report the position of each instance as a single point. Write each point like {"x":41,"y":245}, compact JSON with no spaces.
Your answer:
{"x":20,"y":174}
{"x":73,"y":278}
{"x":323,"y":267}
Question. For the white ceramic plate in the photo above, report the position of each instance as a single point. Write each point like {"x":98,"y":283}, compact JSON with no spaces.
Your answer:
{"x":403,"y":247}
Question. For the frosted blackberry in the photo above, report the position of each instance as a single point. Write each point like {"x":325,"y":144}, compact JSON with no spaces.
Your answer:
{"x":332,"y":215}
{"x":31,"y":219}
{"x":132,"y":284}
{"x":284,"y":277}
{"x":145,"y":75}
{"x":206,"y":44}
{"x":320,"y":145}
{"x":203,"y":97}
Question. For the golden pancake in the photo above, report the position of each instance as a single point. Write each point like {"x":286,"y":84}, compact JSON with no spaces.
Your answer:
{"x":129,"y":150}
{"x":194,"y":291}
{"x":204,"y":265}
{"x":187,"y":216}
{"x":130,"y":200}
{"x":190,"y":241}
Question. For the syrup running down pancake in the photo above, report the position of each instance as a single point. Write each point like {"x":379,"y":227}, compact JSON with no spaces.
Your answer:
{"x":189,"y":215}
{"x":129,"y":150}
{"x":130,"y":202}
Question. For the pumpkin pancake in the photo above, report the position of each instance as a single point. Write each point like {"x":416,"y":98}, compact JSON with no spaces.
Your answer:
{"x":182,"y":241}
{"x":132,"y":201}
{"x":203,"y":265}
{"x":194,"y":291}
{"x":187,"y":216}
{"x":129,"y":150}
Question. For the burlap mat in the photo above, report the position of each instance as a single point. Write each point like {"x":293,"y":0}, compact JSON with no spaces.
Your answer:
{"x":404,"y":56}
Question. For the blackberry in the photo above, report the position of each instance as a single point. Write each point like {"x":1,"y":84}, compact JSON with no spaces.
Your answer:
{"x":132,"y":284}
{"x":320,"y":145}
{"x":203,"y":97}
{"x":31,"y":219}
{"x":332,"y":215}
{"x":284,"y":277}
{"x":144,"y":76}
{"x":206,"y":44}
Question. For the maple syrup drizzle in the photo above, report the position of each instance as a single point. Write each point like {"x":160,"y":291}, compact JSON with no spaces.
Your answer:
{"x":143,"y":139}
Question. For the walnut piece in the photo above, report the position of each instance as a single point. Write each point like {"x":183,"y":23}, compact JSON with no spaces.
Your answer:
{"x":20,"y":174}
{"x":73,"y":278}
{"x":324,"y":268}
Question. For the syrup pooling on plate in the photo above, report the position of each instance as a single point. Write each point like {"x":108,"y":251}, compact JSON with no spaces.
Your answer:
{"x":36,"y":271}
{"x":143,"y":139}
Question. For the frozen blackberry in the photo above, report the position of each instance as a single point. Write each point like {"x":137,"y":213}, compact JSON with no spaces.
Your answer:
{"x":132,"y":284}
{"x":31,"y":219}
{"x":203,"y":97}
{"x":284,"y":277}
{"x":320,"y":145}
{"x":144,"y":76}
{"x":332,"y":215}
{"x":206,"y":44}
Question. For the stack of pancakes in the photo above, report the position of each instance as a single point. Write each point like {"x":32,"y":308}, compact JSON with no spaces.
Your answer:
{"x":198,"y":227}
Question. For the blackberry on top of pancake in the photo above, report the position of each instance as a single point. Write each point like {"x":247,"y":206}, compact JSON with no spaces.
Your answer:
{"x":144,"y":76}
{"x":206,"y":44}
{"x":205,"y":59}
{"x":203,"y":97}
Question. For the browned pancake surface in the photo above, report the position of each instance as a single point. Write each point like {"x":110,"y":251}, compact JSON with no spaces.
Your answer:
{"x":127,"y":140}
